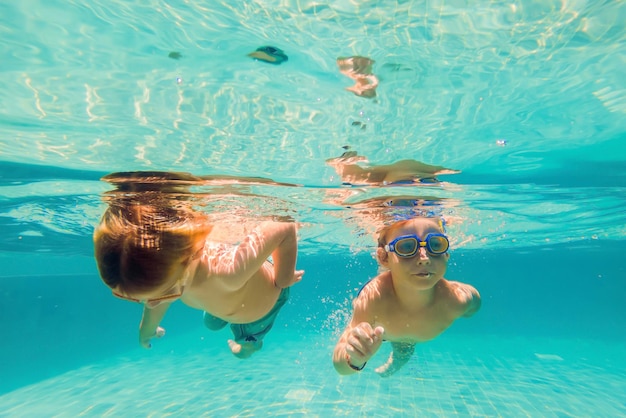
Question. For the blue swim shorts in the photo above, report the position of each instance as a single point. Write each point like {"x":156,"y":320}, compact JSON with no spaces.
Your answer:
{"x":254,"y":331}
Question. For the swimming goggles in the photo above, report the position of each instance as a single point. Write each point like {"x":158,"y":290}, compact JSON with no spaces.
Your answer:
{"x":152,"y":301}
{"x":408,"y":245}
{"x":175,"y":293}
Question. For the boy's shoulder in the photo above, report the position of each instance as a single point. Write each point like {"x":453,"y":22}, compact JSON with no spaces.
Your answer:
{"x":375,"y":289}
{"x":377,"y":286}
{"x":462,"y":296}
{"x":372,"y":299}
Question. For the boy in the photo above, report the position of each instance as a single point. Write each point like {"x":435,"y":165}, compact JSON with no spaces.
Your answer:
{"x":409,"y":303}
{"x":152,"y":248}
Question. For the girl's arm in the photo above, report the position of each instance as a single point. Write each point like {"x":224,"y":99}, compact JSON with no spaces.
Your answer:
{"x":150,"y":321}
{"x":277,"y":239}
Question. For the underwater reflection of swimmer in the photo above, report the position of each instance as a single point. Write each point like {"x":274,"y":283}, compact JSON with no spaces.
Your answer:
{"x":400,"y":172}
{"x":366,"y":209}
{"x":170,"y":181}
{"x":153,"y":248}
{"x":366,"y":212}
{"x":360,"y":70}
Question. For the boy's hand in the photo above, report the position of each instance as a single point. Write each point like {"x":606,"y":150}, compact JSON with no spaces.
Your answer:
{"x":363,"y":342}
{"x":144,"y":337}
{"x":297,"y":276}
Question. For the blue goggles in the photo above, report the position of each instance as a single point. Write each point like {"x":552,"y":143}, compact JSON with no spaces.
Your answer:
{"x":408,"y":245}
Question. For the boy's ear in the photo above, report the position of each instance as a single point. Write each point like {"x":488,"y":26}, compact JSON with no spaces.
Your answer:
{"x":382,"y":256}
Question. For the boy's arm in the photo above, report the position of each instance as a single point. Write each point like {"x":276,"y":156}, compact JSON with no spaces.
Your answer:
{"x":277,"y":239}
{"x":150,"y":321}
{"x":358,"y":343}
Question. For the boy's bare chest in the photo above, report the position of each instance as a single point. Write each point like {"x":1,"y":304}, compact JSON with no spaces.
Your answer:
{"x":415,"y":327}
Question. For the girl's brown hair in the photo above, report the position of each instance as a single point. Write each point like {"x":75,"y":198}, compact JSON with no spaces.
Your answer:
{"x":142,"y":236}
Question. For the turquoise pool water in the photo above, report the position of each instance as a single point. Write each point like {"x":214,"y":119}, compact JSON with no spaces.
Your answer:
{"x":523,"y":102}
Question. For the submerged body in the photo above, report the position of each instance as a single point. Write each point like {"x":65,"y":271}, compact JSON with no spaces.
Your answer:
{"x":153,"y":248}
{"x":235,"y":283}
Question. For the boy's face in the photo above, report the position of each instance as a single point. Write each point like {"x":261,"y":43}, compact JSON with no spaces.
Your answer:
{"x":424,"y":268}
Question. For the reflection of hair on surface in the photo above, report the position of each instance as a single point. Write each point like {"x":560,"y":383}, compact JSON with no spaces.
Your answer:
{"x":360,"y":70}
{"x":368,"y":216}
{"x":165,"y":180}
{"x":154,"y":181}
{"x":423,"y":203}
{"x":228,"y":203}
{"x":398,"y":173}
{"x":380,"y":211}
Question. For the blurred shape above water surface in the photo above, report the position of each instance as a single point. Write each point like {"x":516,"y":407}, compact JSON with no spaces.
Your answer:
{"x":400,"y":172}
{"x":231,"y":203}
{"x":360,"y":70}
{"x":269,"y":54}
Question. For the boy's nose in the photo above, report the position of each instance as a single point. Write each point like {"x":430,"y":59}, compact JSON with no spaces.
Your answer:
{"x":422,"y":256}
